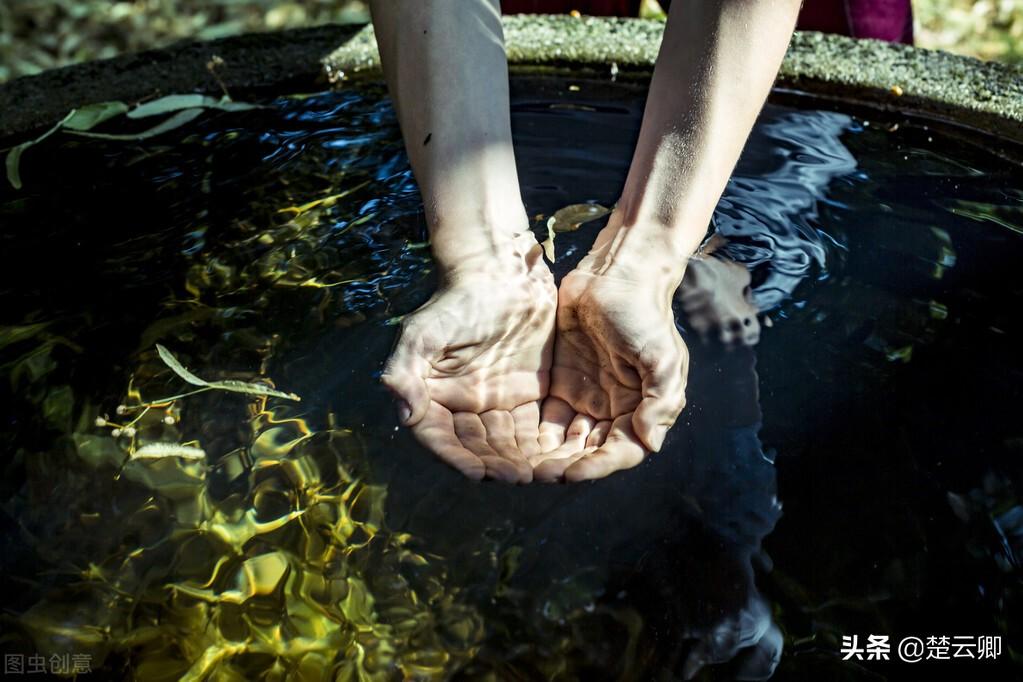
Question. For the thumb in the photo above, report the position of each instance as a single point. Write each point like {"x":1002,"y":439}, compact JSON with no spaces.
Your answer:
{"x":664,"y":397}
{"x":404,"y":375}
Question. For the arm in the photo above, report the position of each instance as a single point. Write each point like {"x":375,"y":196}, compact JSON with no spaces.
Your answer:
{"x":447,"y":73}
{"x":618,"y":378}
{"x":716,"y":65}
{"x":471,"y":365}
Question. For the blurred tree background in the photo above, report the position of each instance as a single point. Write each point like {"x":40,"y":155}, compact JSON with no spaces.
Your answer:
{"x":42,"y":34}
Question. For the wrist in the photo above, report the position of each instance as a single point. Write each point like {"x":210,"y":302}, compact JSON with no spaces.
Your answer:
{"x":493,"y":254}
{"x":646,"y":253}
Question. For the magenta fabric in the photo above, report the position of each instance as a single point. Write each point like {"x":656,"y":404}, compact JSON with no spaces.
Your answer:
{"x":890,"y":20}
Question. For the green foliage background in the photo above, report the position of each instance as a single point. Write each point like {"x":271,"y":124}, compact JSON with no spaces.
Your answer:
{"x":42,"y":34}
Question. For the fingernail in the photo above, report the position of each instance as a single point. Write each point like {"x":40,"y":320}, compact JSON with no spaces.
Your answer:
{"x":404,"y":412}
{"x":657,"y":437}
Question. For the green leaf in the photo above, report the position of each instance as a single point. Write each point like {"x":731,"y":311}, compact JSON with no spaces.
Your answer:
{"x":232,"y":385}
{"x":168,"y":104}
{"x":179,"y":369}
{"x":176,"y":121}
{"x":16,"y":333}
{"x":90,"y":116}
{"x":252,"y":389}
{"x":159,"y":450}
{"x":570,"y":218}
{"x":13,"y":161}
{"x":171,"y":103}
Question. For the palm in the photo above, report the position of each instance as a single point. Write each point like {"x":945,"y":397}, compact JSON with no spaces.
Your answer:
{"x":617,"y":380}
{"x":472,"y":365}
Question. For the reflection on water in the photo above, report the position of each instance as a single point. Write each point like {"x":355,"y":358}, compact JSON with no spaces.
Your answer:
{"x":315,"y":540}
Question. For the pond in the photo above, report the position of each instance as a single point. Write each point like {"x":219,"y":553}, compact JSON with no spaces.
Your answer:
{"x":857,"y":472}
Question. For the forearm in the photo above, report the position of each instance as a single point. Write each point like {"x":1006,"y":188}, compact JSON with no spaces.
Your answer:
{"x":448,"y":76}
{"x":717,"y":62}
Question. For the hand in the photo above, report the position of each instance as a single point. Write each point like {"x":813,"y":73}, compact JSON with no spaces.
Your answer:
{"x":471,"y":365}
{"x":619,"y":371}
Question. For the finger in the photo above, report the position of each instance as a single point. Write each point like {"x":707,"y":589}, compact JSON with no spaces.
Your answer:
{"x":473,"y":435}
{"x":664,"y":397}
{"x":598,"y":434}
{"x":527,"y":428}
{"x":405,"y":376}
{"x":555,"y":416}
{"x":436,"y":432}
{"x":552,"y":468}
{"x":621,"y":450}
{"x":500,"y":433}
{"x":552,"y":464}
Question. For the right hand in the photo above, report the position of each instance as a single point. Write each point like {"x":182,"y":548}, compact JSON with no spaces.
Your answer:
{"x":620,"y":365}
{"x":471,"y":365}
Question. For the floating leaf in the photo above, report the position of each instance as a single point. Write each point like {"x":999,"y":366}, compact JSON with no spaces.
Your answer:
{"x":88,"y":117}
{"x":548,"y":244}
{"x":570,"y":218}
{"x":251,"y":389}
{"x":176,"y":121}
{"x":172,"y":103}
{"x":232,"y":385}
{"x":179,"y":369}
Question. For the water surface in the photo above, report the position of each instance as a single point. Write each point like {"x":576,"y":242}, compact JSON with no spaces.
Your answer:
{"x":855,"y":473}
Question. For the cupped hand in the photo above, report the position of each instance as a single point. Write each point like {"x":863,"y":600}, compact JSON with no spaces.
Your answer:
{"x":619,"y":370}
{"x":471,"y":365}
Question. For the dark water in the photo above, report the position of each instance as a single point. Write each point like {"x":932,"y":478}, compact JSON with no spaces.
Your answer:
{"x":880,"y":412}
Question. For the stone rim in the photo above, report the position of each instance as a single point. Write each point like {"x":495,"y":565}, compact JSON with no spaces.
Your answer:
{"x":985,"y":97}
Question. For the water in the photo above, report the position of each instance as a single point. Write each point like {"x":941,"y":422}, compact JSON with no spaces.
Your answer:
{"x":855,"y":473}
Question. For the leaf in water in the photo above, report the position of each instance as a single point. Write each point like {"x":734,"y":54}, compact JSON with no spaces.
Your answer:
{"x":98,"y":451}
{"x":179,"y":369}
{"x":159,"y":450}
{"x":176,"y":121}
{"x":57,"y":408}
{"x":90,"y":116}
{"x":16,"y":333}
{"x":252,"y":389}
{"x":176,"y":478}
{"x":548,"y":244}
{"x":232,"y":385}
{"x":172,"y":103}
{"x":570,"y":218}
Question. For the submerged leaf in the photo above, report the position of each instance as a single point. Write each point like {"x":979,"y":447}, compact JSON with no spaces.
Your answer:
{"x":159,"y":450}
{"x":16,"y":333}
{"x":179,"y":369}
{"x":176,"y":121}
